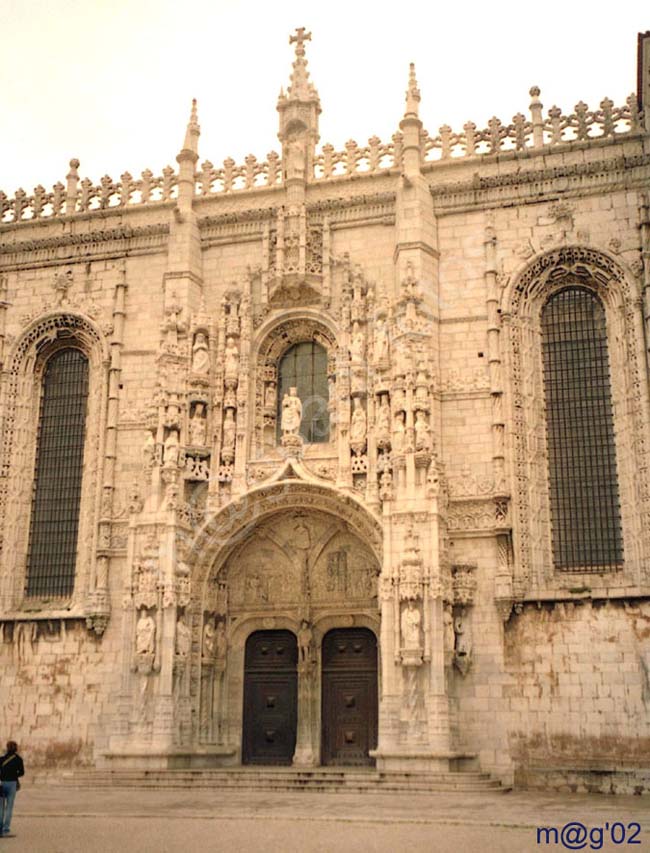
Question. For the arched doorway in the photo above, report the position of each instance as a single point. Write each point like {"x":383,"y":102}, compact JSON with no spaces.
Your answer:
{"x":270,"y":698}
{"x":349,"y":696}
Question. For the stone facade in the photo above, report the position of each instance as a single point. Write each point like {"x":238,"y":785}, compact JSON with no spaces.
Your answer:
{"x":420,"y":267}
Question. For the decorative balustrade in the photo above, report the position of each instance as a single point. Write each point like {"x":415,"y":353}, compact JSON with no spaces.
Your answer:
{"x":83,"y":196}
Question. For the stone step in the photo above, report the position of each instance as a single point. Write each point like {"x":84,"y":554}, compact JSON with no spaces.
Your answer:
{"x":285,"y":779}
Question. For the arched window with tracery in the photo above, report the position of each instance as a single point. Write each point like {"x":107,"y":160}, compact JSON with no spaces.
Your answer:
{"x":304,"y":367}
{"x":56,"y":497}
{"x":583,"y":476}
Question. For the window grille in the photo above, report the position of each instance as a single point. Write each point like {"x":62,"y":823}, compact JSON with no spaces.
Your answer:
{"x":58,"y":472}
{"x":304,"y":367}
{"x":585,"y":506}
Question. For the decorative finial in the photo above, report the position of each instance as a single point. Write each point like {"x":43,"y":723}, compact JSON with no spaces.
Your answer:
{"x":193,"y":131}
{"x":412,"y":93}
{"x":300,"y":87}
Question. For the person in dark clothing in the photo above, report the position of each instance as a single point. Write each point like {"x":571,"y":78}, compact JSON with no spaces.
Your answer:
{"x":11,"y":768}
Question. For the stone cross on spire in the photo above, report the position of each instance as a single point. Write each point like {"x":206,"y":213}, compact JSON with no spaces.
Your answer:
{"x":300,"y":38}
{"x":299,"y":86}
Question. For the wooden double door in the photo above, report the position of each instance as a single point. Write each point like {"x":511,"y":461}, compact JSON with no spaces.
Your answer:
{"x":348,"y":697}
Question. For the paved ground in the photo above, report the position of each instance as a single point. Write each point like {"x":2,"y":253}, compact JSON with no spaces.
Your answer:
{"x":54,"y":819}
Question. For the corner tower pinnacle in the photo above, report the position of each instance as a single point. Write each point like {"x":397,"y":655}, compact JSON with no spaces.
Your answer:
{"x":299,"y":109}
{"x":190,"y":149}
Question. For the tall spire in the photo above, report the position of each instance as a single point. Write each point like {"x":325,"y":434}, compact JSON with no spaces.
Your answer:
{"x":191,"y":143}
{"x":412,"y":93}
{"x":300,"y":87}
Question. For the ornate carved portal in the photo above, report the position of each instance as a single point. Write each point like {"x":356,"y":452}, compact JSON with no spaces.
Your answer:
{"x":297,"y":574}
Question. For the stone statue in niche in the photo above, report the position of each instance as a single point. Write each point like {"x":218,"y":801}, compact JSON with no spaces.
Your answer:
{"x":291,"y":413}
{"x":221,"y":644}
{"x":231,"y":360}
{"x":463,"y":642}
{"x":200,"y":355}
{"x":148,"y":449}
{"x":295,"y":157}
{"x":399,"y":431}
{"x":402,"y":358}
{"x":358,"y":427}
{"x":171,"y":450}
{"x":198,"y":426}
{"x":357,"y":344}
{"x":410,"y":624}
{"x":422,"y":431}
{"x":380,"y":350}
{"x":183,"y":638}
{"x":305,"y":637}
{"x":269,"y":396}
{"x":421,"y":384}
{"x":386,"y":486}
{"x":145,"y":634}
{"x":209,"y":639}
{"x":229,"y":431}
{"x":449,"y":634}
{"x":383,"y":422}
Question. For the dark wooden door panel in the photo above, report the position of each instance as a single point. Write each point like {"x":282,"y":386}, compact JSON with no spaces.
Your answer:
{"x":349,"y":706}
{"x":270,"y":698}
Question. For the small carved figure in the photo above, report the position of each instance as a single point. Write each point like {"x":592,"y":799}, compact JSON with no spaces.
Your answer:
{"x":148,"y":449}
{"x":183,"y":638}
{"x":145,"y":634}
{"x":291,"y":412}
{"x":305,"y":636}
{"x":357,"y":344}
{"x":198,"y":426}
{"x":200,"y":355}
{"x":209,"y":639}
{"x":229,"y":430}
{"x":422,"y":431}
{"x":448,"y":632}
{"x":399,"y":433}
{"x":359,"y":425}
{"x":301,"y":538}
{"x":171,"y":450}
{"x":221,"y":642}
{"x":269,"y":396}
{"x":383,"y":421}
{"x":231,"y":359}
{"x":295,"y":157}
{"x":410,"y":624}
{"x":463,"y":634}
{"x":386,"y":486}
{"x":380,"y":350}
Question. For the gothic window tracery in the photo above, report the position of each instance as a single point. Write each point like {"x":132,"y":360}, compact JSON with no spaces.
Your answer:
{"x":583,"y":476}
{"x":304,"y":367}
{"x":57,"y":476}
{"x":616,"y":353}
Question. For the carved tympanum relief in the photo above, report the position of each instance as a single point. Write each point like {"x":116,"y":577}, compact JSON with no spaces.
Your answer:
{"x":296,"y":560}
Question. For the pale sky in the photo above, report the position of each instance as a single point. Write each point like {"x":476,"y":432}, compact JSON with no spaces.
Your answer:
{"x":110,"y":81}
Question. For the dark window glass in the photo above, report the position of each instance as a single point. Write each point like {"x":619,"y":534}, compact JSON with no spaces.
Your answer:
{"x":57,"y":482}
{"x":585,"y":507}
{"x":304,"y":367}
